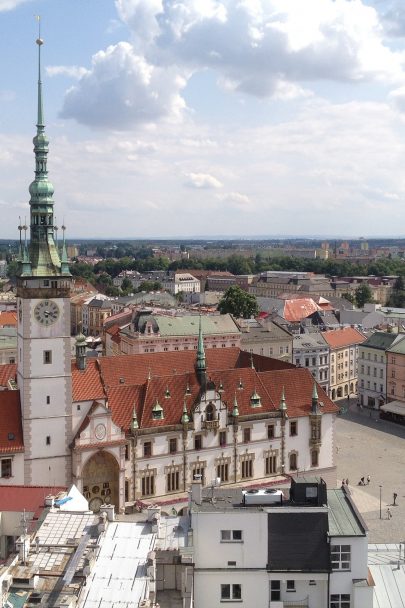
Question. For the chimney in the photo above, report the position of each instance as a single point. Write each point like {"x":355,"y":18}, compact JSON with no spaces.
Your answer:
{"x":196,"y":492}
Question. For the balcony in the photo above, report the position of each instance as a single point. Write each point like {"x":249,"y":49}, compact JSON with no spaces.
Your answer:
{"x":210,"y":425}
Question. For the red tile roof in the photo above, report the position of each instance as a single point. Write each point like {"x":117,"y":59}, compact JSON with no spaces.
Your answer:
{"x":122,"y":401}
{"x":8,"y":319}
{"x":345,"y":336}
{"x":11,"y":435}
{"x":298,"y":309}
{"x":7,"y":372}
{"x":28,"y":498}
{"x":87,"y":384}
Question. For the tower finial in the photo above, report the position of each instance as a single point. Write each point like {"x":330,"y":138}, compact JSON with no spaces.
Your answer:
{"x":40,"y":42}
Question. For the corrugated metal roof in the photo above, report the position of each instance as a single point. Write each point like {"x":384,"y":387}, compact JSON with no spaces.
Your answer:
{"x":343,"y":520}
{"x":389,"y":577}
{"x":189,"y":325}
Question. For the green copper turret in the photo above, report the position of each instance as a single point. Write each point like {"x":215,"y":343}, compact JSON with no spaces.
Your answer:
{"x":200,"y":365}
{"x":44,"y":258}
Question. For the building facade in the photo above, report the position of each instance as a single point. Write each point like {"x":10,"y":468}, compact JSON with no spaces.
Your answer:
{"x":372,"y":366}
{"x":343,"y":354}
{"x":311,"y":351}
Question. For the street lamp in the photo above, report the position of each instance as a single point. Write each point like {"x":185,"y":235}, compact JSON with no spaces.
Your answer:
{"x":380,"y":500}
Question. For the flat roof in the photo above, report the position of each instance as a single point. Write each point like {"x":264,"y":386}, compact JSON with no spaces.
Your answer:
{"x":344,"y":520}
{"x":388,"y":572}
{"x":119,"y":575}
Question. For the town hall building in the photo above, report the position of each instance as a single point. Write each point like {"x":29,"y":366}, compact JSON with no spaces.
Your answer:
{"x":141,"y":428}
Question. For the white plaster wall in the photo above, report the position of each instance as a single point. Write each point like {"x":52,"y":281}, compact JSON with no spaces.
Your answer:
{"x":341,"y":581}
{"x":17,"y":470}
{"x":207,"y":588}
{"x":50,"y":471}
{"x":41,"y":428}
{"x":210,"y":552}
{"x":54,"y":388}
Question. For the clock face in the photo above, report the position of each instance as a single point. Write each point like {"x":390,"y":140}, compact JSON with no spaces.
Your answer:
{"x":46,"y":312}
{"x":99,"y":431}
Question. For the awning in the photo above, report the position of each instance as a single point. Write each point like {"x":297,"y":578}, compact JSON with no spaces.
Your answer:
{"x":394,"y":407}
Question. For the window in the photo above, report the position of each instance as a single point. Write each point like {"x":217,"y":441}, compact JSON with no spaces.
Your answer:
{"x":314,"y":458}
{"x":223,"y":471}
{"x":198,"y":471}
{"x":173,"y":445}
{"x":173,"y":479}
{"x":246,"y":435}
{"x":197,"y":442}
{"x":290,"y":586}
{"x":48,"y":440}
{"x":270,"y":431}
{"x":231,"y":536}
{"x":275,"y":593}
{"x":381,"y":373}
{"x":209,"y":412}
{"x":127,"y":451}
{"x":340,"y":600}
{"x":147,"y":448}
{"x":48,"y":400}
{"x":246,"y":466}
{"x":270,"y":464}
{"x":293,"y":428}
{"x":5,"y":467}
{"x":340,"y":557}
{"x":307,"y":362}
{"x":47,"y":356}
{"x":231,"y":592}
{"x":293,"y":462}
{"x":148,"y":482}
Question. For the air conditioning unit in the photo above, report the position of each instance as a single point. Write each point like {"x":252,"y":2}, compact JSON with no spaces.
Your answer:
{"x":6,"y":583}
{"x":265,"y":496}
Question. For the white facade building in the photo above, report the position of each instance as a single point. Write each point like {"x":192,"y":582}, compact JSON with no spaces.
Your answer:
{"x":372,"y":384}
{"x":311,"y":351}
{"x":310,"y":551}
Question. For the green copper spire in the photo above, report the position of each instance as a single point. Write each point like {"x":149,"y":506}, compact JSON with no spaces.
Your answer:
{"x":315,"y":402}
{"x":200,"y":349}
{"x":200,"y":366}
{"x":43,"y":252}
{"x":185,"y":417}
{"x":283,"y":405}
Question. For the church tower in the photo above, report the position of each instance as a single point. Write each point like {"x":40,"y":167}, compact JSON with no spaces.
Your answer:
{"x":43,"y":342}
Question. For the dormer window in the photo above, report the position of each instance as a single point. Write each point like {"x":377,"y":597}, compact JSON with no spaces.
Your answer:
{"x":255,"y":400}
{"x":157,"y":411}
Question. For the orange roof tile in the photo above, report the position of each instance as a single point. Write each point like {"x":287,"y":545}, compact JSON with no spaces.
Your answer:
{"x":26,"y":498}
{"x":345,"y":336}
{"x":298,"y":309}
{"x":122,"y":400}
{"x":11,"y":435}
{"x":7,"y":372}
{"x":87,"y":384}
{"x":8,"y":319}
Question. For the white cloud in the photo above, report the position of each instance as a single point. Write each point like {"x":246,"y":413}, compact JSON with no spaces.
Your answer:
{"x":236,"y":199}
{"x":202,"y":180}
{"x":73,"y":71}
{"x":122,"y":90}
{"x":397,"y":97}
{"x":9,"y":5}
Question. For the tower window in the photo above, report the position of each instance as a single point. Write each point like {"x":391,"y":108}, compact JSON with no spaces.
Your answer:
{"x":48,"y":400}
{"x":47,"y":356}
{"x":48,"y":440}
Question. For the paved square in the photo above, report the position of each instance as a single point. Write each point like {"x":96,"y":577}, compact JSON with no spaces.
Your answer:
{"x":367,"y":446}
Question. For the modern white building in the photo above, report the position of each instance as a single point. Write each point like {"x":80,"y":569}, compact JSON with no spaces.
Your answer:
{"x":309,"y":551}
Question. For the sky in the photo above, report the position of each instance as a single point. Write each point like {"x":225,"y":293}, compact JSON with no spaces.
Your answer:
{"x":187,"y":118}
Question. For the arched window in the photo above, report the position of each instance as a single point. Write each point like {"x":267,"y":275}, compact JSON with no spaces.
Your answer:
{"x":314,"y":458}
{"x":209,"y":412}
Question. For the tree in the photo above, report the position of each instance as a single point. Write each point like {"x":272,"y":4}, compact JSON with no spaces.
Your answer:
{"x":363,"y":294}
{"x":238,"y":303}
{"x":349,"y":297}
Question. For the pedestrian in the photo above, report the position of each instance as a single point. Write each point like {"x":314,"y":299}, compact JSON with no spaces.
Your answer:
{"x":389,"y":514}
{"x":368,"y":479}
{"x":343,"y":482}
{"x":395,"y":495}
{"x":347,"y":482}
{"x":362,"y":483}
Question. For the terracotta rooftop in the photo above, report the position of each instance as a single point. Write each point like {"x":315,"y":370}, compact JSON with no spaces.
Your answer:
{"x":345,"y":336}
{"x":7,"y":372}
{"x":86,"y":384}
{"x":8,"y":319}
{"x":26,"y":498}
{"x":297,"y":309}
{"x":11,"y":436}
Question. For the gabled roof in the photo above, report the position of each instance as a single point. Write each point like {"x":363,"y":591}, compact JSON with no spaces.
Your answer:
{"x":345,"y":336}
{"x":87,"y":384}
{"x":380,"y":340}
{"x":297,"y":309}
{"x":11,"y":435}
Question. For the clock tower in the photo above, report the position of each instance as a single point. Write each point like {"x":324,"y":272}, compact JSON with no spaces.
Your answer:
{"x":43,"y":342}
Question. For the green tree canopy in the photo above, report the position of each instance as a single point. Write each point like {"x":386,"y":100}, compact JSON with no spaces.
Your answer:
{"x":363,"y":294}
{"x":238,"y":303}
